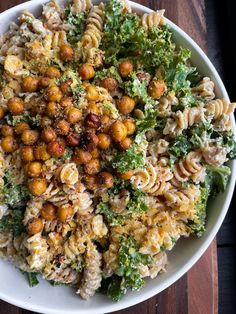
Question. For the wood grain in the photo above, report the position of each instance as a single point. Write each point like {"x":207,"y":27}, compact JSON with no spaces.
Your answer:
{"x":196,"y":292}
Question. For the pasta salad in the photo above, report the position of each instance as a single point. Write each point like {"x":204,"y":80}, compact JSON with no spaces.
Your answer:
{"x":111,"y":145}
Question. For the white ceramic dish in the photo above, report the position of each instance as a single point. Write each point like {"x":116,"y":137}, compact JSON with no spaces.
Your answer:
{"x":62,"y":300}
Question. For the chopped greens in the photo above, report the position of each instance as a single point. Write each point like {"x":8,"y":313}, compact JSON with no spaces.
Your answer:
{"x":13,"y":222}
{"x":217,"y":179}
{"x":14,"y":195}
{"x":77,"y":23}
{"x":127,"y":275}
{"x":198,"y":226}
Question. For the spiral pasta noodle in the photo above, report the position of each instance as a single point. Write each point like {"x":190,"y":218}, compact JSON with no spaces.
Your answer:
{"x":38,"y":251}
{"x":189,"y":168}
{"x":65,"y":275}
{"x":152,"y":179}
{"x":204,"y":89}
{"x":218,"y":107}
{"x":150,"y":20}
{"x":94,"y":26}
{"x":183,"y":120}
{"x":92,"y":275}
{"x":79,"y":6}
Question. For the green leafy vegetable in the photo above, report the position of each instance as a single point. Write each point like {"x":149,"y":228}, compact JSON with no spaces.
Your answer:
{"x":230,"y":143}
{"x":148,"y":122}
{"x":198,"y":226}
{"x":32,"y":279}
{"x":13,"y":222}
{"x":67,"y":154}
{"x":130,"y":159}
{"x":113,"y":288}
{"x":217,"y":179}
{"x":113,"y":218}
{"x":77,"y":23}
{"x":14,"y":195}
{"x":127,"y":275}
{"x":109,"y":72}
{"x":135,"y":88}
{"x":179,"y":147}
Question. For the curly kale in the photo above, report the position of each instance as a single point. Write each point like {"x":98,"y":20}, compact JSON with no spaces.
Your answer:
{"x":198,"y":226}
{"x":217,"y":179}
{"x":13,"y":222}
{"x":136,"y":203}
{"x":14,"y":195}
{"x":77,"y":23}
{"x":127,"y":275}
{"x":124,"y":36}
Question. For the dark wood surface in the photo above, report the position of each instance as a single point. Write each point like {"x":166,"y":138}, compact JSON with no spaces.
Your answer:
{"x":196,"y":292}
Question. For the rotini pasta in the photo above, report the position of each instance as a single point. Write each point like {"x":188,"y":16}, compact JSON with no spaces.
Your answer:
{"x":109,"y":142}
{"x":150,"y":20}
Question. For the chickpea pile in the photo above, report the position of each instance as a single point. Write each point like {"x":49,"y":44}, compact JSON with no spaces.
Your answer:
{"x":59,"y":117}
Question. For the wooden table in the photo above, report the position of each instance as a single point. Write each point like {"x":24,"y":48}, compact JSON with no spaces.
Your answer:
{"x":197,"y":291}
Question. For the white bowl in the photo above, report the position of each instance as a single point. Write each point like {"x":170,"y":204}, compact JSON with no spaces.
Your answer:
{"x":60,"y":300}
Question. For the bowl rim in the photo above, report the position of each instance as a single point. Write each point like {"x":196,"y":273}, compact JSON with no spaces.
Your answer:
{"x":203,"y":247}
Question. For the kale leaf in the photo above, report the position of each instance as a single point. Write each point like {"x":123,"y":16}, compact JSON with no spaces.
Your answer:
{"x":13,"y":222}
{"x":148,"y":122}
{"x":113,"y":288}
{"x":77,"y":23}
{"x":217,"y":179}
{"x":198,"y":226}
{"x":130,"y":159}
{"x":14,"y":195}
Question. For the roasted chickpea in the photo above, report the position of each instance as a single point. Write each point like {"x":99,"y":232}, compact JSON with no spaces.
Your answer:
{"x":66,"y":101}
{"x":125,"y":68}
{"x":27,"y":153}
{"x":104,"y":140}
{"x":86,"y":71}
{"x":49,"y":211}
{"x":105,"y":179}
{"x":64,"y":213}
{"x":156,"y":88}
{"x":48,"y":134}
{"x":7,"y":130}
{"x":37,"y":186}
{"x":73,"y":139}
{"x":41,"y":153}
{"x":73,"y":115}
{"x":53,"y":72}
{"x":105,"y":123}
{"x":9,"y":144}
{"x":30,"y":84}
{"x":65,"y":87}
{"x":15,"y":105}
{"x":52,"y":109}
{"x":29,"y":137}
{"x":54,"y":94}
{"x":56,"y":148}
{"x":2,"y":113}
{"x":125,"y":143}
{"x":21,"y":127}
{"x":92,"y":108}
{"x":92,"y":167}
{"x":130,"y":126}
{"x":62,"y":127}
{"x":95,"y":153}
{"x":81,"y":156}
{"x":44,"y":82}
{"x":34,"y":169}
{"x":126,"y":175}
{"x":35,"y":225}
{"x":109,"y":83}
{"x":89,"y":140}
{"x":91,"y":182}
{"x":91,"y":93}
{"x":66,"y":53}
{"x":45,"y":122}
{"x":118,"y":131}
{"x":85,"y":84}
{"x":126,"y":104}
{"x":92,"y":121}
